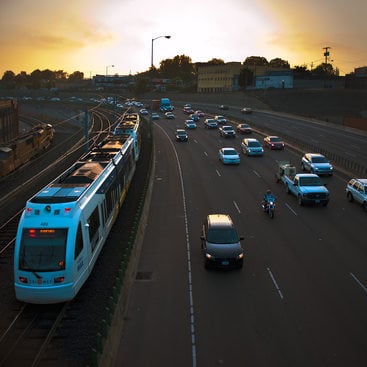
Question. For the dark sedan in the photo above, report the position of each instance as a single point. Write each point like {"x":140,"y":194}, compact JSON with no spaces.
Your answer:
{"x":181,"y":135}
{"x":274,"y":142}
{"x":243,"y":129}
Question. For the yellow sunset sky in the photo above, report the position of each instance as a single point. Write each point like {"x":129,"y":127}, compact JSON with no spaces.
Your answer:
{"x":90,"y":35}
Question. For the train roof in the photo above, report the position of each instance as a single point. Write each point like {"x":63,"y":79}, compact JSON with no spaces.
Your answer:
{"x":91,"y":170}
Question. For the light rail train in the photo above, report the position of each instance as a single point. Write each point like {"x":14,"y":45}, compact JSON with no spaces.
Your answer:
{"x":64,"y":226}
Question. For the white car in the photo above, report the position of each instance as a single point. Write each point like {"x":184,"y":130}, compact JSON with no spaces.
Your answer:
{"x":229,"y":156}
{"x":190,"y":124}
{"x":221,"y":120}
{"x":246,"y":110}
{"x":357,"y":190}
{"x":227,"y":131}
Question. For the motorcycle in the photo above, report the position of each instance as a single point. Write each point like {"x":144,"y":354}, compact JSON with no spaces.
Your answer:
{"x":269,"y":207}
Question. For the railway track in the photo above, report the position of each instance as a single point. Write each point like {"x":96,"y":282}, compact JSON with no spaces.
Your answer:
{"x":8,"y":231}
{"x":29,"y":333}
{"x":26,"y":330}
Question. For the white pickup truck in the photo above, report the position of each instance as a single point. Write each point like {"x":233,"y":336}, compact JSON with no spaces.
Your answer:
{"x":308,"y":188}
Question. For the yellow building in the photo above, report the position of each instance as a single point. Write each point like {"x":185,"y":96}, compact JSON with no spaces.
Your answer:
{"x":218,"y":78}
{"x":224,"y":77}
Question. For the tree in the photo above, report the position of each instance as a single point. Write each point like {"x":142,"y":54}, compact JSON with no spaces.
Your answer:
{"x":279,"y":63}
{"x":255,"y":61}
{"x":9,"y":79}
{"x":324,"y":70}
{"x":215,"y":61}
{"x":22,"y":79}
{"x":301,"y":71}
{"x":76,"y":76}
{"x":180,"y":67}
{"x":60,"y":75}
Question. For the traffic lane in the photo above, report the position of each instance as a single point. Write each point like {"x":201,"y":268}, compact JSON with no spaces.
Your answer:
{"x":346,"y":143}
{"x":343,"y":142}
{"x":157,"y":322}
{"x":273,"y":244}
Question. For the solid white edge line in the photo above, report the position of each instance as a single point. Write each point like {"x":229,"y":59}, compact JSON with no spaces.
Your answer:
{"x":189,"y":274}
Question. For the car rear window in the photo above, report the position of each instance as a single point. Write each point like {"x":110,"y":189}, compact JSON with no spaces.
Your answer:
{"x":222,"y":235}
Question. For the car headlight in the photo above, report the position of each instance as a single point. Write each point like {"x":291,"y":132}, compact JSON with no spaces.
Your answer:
{"x":240,"y":256}
{"x":208,"y":256}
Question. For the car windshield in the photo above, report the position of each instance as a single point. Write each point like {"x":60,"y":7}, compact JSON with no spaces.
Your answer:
{"x":275,"y":139}
{"x":310,"y":181}
{"x":227,"y":128}
{"x":244,"y":126}
{"x":230,"y":152}
{"x":181,"y":133}
{"x":222,"y":235}
{"x":253,"y":144}
{"x":319,"y":160}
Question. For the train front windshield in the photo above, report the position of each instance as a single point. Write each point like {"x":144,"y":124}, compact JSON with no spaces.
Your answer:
{"x":43,"y":249}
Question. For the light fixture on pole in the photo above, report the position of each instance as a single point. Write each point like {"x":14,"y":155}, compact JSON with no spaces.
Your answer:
{"x":153,"y":39}
{"x":112,"y":66}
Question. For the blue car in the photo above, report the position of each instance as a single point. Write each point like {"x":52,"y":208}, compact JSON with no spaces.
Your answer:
{"x":229,"y":156}
{"x":316,"y":163}
{"x":190,"y":124}
{"x":252,"y":147}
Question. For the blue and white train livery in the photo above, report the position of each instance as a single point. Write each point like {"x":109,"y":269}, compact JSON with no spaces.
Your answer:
{"x":64,"y":226}
{"x":129,"y":126}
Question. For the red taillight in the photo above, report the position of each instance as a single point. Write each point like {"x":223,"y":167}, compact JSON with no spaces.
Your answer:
{"x":59,"y":280}
{"x":67,"y":210}
{"x":23,"y":280}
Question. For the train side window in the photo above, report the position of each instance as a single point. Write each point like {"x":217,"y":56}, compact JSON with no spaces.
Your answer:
{"x":78,"y":242}
{"x":94,"y":223}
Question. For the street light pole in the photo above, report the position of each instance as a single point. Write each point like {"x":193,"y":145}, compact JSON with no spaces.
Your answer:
{"x":151,"y":69}
{"x":153,"y":39}
{"x":112,"y":66}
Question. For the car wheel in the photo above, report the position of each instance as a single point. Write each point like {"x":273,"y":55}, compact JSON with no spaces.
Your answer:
{"x":300,"y":201}
{"x":325,"y":203}
{"x":364,"y":205}
{"x":287,"y":189}
{"x":303,"y":167}
{"x":350,"y":196}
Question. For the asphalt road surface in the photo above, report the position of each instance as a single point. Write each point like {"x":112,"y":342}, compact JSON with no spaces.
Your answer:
{"x":301,"y":297}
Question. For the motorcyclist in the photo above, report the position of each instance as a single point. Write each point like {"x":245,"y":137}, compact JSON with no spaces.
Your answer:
{"x":268,"y":197}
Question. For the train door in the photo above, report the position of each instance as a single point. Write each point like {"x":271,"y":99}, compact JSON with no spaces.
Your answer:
{"x":80,"y":258}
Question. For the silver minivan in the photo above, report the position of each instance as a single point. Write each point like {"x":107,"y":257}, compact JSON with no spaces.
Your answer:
{"x":220,"y":242}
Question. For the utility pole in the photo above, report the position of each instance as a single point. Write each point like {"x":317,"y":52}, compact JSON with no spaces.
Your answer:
{"x":326,"y":53}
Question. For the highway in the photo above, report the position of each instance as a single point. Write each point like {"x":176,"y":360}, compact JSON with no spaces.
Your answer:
{"x":301,"y":297}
